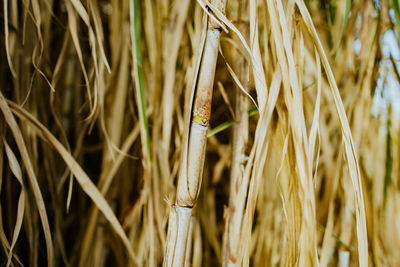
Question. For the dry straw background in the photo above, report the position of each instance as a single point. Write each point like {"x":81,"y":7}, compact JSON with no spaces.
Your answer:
{"x":109,"y":155}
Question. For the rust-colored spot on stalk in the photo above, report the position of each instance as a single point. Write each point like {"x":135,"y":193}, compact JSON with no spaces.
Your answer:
{"x":202,"y":108}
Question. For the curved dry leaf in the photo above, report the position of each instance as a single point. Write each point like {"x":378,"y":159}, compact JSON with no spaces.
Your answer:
{"x":10,"y":120}
{"x":16,"y":170}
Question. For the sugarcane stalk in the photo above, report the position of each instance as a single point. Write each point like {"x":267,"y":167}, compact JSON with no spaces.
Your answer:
{"x":191,"y":171}
{"x":234,"y":217}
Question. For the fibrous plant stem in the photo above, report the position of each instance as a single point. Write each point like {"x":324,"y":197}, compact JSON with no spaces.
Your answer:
{"x":192,"y":162}
{"x":234,"y":217}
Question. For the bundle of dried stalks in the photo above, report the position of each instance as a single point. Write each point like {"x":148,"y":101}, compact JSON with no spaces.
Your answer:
{"x":203,"y":133}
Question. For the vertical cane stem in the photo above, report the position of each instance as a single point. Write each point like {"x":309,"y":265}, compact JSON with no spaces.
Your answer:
{"x":234,"y":218}
{"x":190,"y":176}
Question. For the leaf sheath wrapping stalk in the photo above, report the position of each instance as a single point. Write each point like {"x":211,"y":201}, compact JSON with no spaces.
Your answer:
{"x":192,"y":166}
{"x":189,"y":185}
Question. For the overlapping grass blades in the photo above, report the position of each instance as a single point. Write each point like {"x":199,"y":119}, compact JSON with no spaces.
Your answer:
{"x":297,"y":170}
